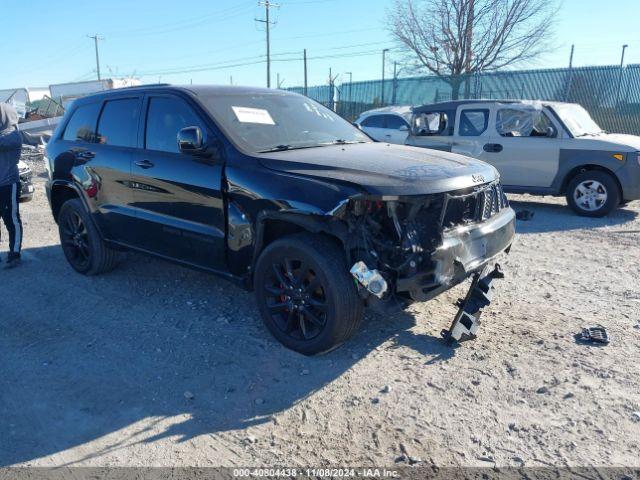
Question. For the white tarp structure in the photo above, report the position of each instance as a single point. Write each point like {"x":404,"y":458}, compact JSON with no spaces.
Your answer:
{"x":21,"y":97}
{"x":18,"y":97}
{"x":65,"y":93}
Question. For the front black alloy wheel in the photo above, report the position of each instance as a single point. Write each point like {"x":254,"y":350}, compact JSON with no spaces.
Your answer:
{"x":296,"y":298}
{"x":305,"y":293}
{"x":81,"y":242}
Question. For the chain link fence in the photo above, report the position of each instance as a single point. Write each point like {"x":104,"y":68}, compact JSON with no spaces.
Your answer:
{"x":610,"y":93}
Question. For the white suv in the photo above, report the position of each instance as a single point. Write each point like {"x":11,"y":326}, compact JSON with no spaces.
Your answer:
{"x":546,"y":148}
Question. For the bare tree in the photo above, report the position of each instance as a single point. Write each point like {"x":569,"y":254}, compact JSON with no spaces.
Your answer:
{"x":454,"y":37}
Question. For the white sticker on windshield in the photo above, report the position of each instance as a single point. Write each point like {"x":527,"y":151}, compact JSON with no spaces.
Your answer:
{"x":253,"y":115}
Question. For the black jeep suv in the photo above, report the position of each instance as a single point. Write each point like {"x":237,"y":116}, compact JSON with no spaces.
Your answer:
{"x":276,"y":192}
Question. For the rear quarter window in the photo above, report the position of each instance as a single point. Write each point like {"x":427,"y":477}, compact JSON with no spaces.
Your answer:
{"x":82,"y":124}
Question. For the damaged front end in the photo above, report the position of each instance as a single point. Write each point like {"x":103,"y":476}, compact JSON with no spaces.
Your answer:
{"x":412,"y":248}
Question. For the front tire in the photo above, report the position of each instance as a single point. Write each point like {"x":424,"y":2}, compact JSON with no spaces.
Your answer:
{"x":306,"y":296}
{"x":81,"y":242}
{"x":593,"y":193}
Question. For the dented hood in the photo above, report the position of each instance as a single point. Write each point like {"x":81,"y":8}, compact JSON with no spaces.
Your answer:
{"x":384,"y":169}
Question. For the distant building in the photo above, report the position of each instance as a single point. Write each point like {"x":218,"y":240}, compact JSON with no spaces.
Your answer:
{"x":65,"y":93}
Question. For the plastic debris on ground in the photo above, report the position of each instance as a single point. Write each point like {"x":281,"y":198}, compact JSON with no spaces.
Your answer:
{"x":596,"y":334}
{"x":525,"y":215}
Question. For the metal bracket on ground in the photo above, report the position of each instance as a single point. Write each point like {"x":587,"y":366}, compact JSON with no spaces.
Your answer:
{"x":467,"y":321}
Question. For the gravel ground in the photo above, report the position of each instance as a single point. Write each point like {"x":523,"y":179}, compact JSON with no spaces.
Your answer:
{"x":157,"y":365}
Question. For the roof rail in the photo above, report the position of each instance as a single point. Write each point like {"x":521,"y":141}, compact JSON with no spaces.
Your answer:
{"x":149,"y":85}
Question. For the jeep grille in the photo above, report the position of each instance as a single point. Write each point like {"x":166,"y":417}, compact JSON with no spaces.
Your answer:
{"x":478,"y":205}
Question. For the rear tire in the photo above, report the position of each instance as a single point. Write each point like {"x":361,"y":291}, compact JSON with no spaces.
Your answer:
{"x":306,"y":296}
{"x":81,"y":242}
{"x":593,"y":193}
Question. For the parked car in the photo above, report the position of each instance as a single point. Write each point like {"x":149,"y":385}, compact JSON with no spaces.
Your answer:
{"x":26,"y":185}
{"x":387,"y":124}
{"x":544,"y":148}
{"x":271,"y":190}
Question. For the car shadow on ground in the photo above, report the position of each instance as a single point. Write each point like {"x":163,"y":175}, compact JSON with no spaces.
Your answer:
{"x":549,"y":217}
{"x":83,"y":357}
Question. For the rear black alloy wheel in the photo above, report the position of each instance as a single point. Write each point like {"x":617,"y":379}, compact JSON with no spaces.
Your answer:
{"x":74,"y":237}
{"x":307,"y":298}
{"x":296,"y":299}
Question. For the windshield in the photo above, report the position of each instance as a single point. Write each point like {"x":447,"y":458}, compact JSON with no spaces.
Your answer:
{"x":265,"y":122}
{"x":577,"y":120}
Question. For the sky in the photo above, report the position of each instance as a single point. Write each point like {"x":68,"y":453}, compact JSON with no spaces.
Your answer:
{"x":219,"y":41}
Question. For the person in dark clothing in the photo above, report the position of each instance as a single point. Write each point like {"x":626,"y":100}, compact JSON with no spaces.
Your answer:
{"x":10,"y":149}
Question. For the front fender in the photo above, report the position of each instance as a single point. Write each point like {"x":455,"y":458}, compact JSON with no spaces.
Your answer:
{"x":256,"y":196}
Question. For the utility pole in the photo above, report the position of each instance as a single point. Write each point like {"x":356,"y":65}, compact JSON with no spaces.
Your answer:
{"x":566,"y":90}
{"x":395,"y":83}
{"x":624,"y":47}
{"x":384,"y":52}
{"x":305,"y":71}
{"x":571,"y":56}
{"x":468,"y":53}
{"x":95,"y":40}
{"x":350,"y":91}
{"x":332,"y":90}
{"x":267,"y":6}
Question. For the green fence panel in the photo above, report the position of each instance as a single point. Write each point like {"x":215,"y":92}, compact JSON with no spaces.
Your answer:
{"x":610,"y":93}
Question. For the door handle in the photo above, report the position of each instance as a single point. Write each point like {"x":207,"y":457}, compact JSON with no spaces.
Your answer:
{"x":144,"y":164}
{"x":492,"y":147}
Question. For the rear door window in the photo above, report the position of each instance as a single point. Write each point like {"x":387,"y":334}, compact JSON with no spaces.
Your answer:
{"x":374,"y":121}
{"x":473,"y":122}
{"x":166,"y":116}
{"x":119,"y":122}
{"x":82,"y":124}
{"x":394,"y":122}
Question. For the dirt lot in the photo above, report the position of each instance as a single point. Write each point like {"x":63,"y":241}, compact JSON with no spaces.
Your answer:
{"x":158,"y":365}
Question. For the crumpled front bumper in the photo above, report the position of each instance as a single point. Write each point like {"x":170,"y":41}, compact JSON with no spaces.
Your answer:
{"x":464,"y":251}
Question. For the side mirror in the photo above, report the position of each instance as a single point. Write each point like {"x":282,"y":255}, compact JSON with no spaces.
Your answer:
{"x":403,"y":128}
{"x":551,"y":132}
{"x":190,"y":140}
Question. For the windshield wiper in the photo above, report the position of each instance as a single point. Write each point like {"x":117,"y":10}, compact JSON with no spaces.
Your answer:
{"x":283,"y":148}
{"x":277,"y":148}
{"x":341,"y":141}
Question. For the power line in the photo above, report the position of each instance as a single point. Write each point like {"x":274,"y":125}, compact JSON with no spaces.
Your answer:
{"x":191,"y":22}
{"x":256,"y":61}
{"x":200,"y":69}
{"x":202,"y":66}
